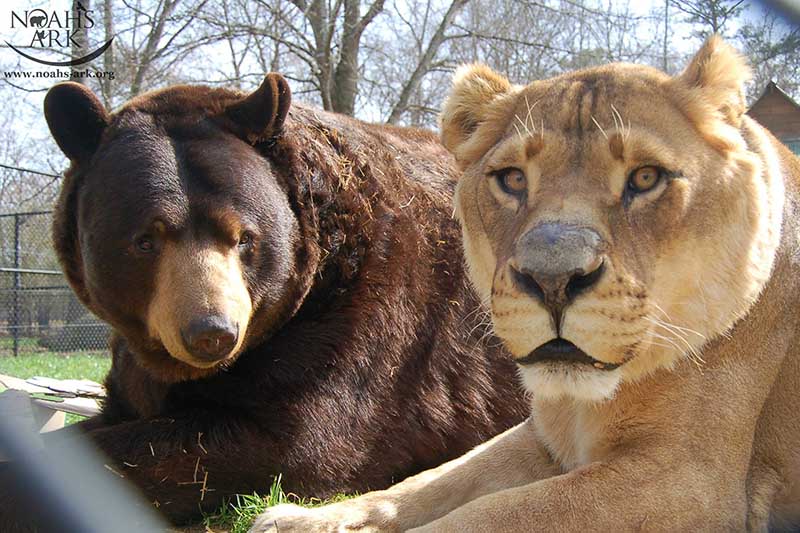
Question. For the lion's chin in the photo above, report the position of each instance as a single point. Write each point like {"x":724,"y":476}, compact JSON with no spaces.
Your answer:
{"x":554,"y":380}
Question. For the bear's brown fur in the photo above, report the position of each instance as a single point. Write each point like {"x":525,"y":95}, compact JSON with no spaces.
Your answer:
{"x":362,"y":356}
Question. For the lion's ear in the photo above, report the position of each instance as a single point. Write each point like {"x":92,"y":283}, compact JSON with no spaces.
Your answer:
{"x":468,"y":106}
{"x":717,"y":75}
{"x":76,"y":119}
{"x":261,"y":114}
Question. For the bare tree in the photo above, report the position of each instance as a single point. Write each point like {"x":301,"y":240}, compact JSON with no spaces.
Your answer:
{"x":79,"y":43}
{"x":154,"y":45}
{"x":712,"y":16}
{"x":106,"y":85}
{"x":425,"y":62}
{"x":336,"y":30}
{"x":345,"y":78}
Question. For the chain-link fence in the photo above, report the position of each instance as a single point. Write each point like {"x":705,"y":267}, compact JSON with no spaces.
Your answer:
{"x":38,"y":311}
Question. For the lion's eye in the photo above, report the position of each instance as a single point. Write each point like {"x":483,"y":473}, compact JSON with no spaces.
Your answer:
{"x":644,"y":178}
{"x":512,"y":181}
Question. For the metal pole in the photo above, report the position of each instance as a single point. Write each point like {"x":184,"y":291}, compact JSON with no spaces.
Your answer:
{"x":17,"y":284}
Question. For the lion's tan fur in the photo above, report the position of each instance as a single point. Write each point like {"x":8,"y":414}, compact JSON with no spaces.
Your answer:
{"x":700,"y":302}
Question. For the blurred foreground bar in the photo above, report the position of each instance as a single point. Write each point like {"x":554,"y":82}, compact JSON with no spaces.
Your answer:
{"x":62,"y":482}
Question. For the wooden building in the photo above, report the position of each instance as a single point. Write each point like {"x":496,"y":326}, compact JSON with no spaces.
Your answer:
{"x":776,"y":111}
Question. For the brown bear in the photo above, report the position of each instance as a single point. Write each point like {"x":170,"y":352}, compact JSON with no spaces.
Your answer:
{"x":287,"y":292}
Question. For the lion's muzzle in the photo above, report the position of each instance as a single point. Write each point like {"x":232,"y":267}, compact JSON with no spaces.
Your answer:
{"x":554,"y":262}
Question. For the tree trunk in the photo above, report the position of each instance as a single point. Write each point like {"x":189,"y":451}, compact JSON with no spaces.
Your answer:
{"x":322,"y":22}
{"x":79,"y":45}
{"x":108,"y":56}
{"x":152,"y":45}
{"x":345,"y":81}
{"x":343,"y":98}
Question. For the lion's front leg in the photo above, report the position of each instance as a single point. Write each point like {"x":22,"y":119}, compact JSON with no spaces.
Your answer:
{"x":511,"y":459}
{"x":635,"y":493}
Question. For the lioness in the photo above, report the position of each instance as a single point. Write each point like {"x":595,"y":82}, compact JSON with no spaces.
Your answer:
{"x":637,"y":237}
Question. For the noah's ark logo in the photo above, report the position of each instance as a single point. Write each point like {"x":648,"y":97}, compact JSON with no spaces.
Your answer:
{"x":54,"y":30}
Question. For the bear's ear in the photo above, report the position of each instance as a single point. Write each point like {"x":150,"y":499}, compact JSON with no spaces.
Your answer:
{"x":76,"y":118}
{"x":475,"y":88}
{"x":261,"y":114}
{"x":716,"y":76}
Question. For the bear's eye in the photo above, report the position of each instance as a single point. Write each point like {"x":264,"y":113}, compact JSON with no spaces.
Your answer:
{"x":245,"y":239}
{"x":644,"y":178}
{"x":145,"y":244}
{"x":512,"y":181}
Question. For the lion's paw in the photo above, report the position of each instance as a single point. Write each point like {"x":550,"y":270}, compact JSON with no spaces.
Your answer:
{"x":285,"y":517}
{"x":347,"y":516}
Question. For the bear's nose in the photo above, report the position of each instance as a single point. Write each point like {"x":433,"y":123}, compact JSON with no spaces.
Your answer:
{"x":210,"y":338}
{"x":555,"y":262}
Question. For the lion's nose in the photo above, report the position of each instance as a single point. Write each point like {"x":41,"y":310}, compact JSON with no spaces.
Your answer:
{"x":210,"y":338}
{"x":555,"y":262}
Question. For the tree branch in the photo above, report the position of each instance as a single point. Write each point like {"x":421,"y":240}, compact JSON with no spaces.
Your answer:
{"x":425,"y":61}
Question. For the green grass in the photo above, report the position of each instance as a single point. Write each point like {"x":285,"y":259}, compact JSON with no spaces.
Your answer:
{"x":56,"y":365}
{"x":79,"y":365}
{"x":239,"y":513}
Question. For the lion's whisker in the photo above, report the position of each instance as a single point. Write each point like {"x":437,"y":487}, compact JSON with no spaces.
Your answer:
{"x":480,"y":324}
{"x":654,"y":343}
{"x":693,"y":357}
{"x":659,"y":308}
{"x":489,"y":332}
{"x":481,"y":308}
{"x":691,"y":349}
{"x":530,"y":107}
{"x":691,"y":352}
{"x":667,"y":339}
{"x":524,"y":125}
{"x":688,"y":330}
{"x":599,"y":127}
{"x":614,"y":116}
{"x":679,"y":328}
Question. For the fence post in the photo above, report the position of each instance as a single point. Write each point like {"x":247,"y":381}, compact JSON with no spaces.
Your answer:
{"x":17,"y":285}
